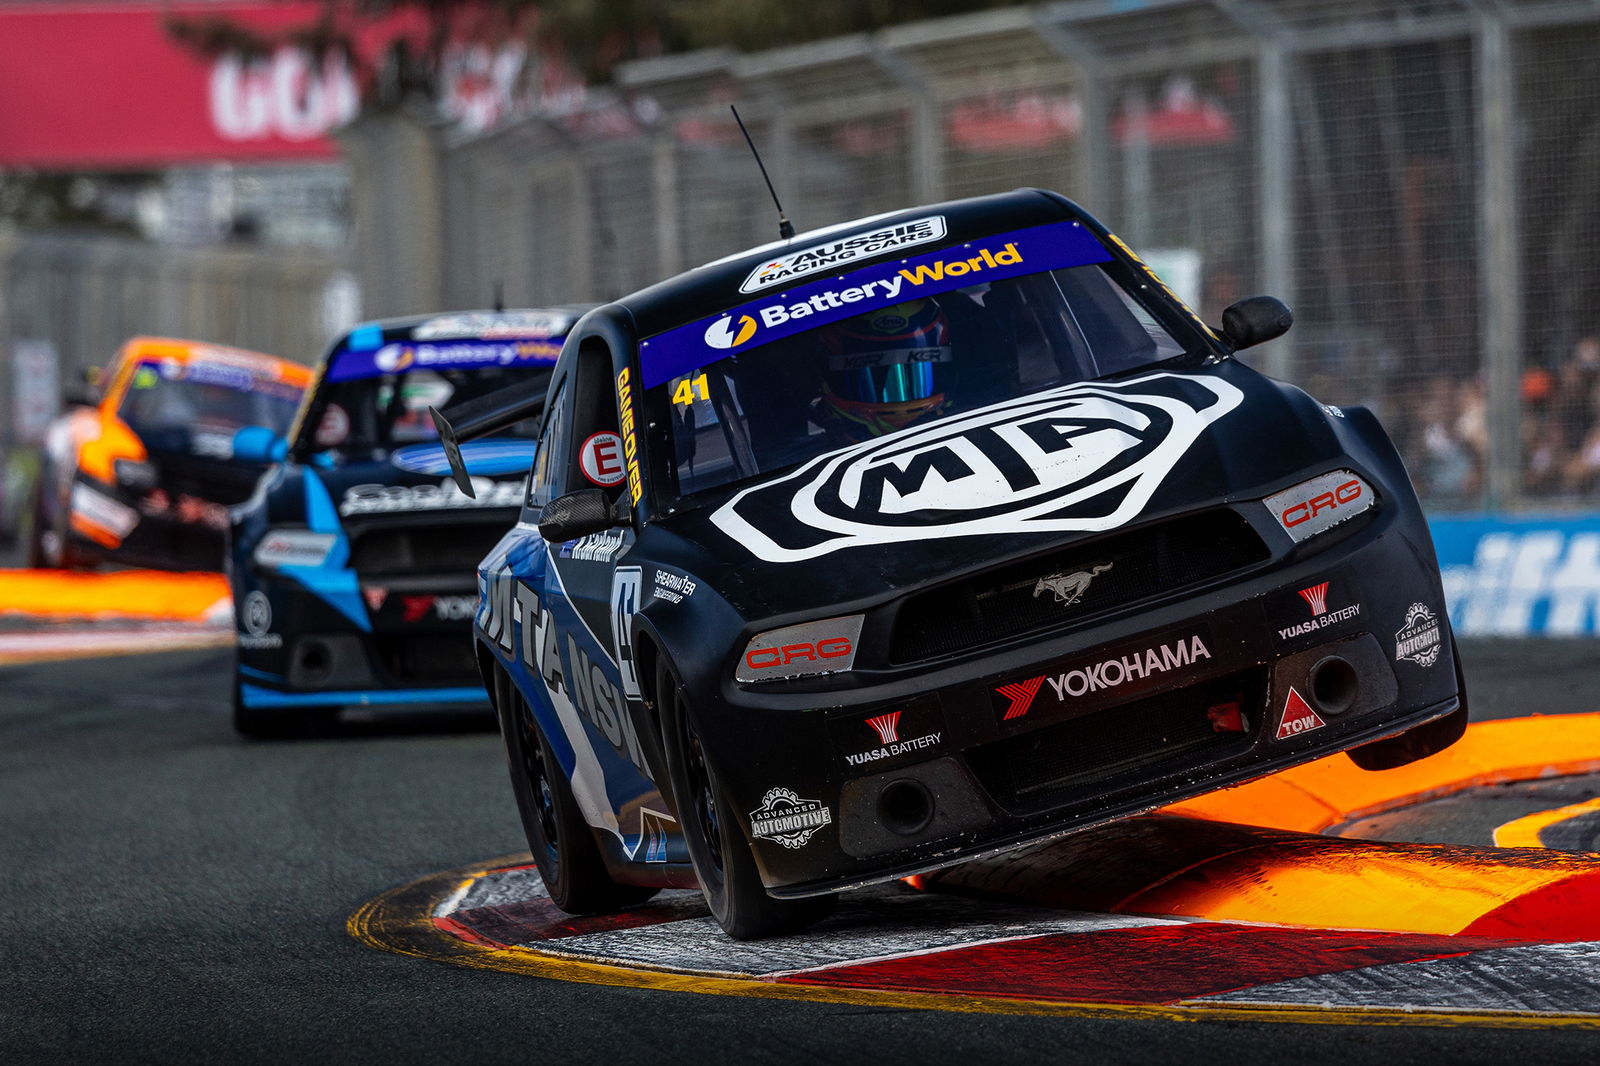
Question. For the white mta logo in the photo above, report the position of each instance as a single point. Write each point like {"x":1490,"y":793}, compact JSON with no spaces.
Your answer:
{"x":992,"y":465}
{"x":1080,"y":457}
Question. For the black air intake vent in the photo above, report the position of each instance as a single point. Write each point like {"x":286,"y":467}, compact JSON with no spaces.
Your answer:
{"x":1145,"y":564}
{"x":1119,"y":747}
{"x":457,"y":547}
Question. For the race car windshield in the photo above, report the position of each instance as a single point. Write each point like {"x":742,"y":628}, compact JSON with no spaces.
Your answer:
{"x":774,"y":405}
{"x":367,"y":418}
{"x":166,"y":395}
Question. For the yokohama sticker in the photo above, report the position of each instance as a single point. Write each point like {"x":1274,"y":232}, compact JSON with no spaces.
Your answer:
{"x":1139,"y":666}
{"x":1418,"y":638}
{"x":1083,"y":457}
{"x":787,"y":819}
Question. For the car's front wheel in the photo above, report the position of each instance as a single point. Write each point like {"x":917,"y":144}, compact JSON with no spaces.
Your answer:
{"x":563,"y":846}
{"x":721,"y":856}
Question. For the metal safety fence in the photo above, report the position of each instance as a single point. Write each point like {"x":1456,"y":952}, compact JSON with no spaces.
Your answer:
{"x":1416,"y":178}
{"x":67,"y":302}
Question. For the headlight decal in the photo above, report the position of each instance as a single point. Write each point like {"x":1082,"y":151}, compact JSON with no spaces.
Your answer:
{"x":1321,"y":503}
{"x":293,"y":547}
{"x":826,"y":646}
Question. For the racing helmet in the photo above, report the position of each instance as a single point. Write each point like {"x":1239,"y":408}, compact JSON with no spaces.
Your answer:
{"x":887,"y":368}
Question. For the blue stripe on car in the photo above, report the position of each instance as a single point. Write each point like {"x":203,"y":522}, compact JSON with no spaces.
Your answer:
{"x":256,"y":696}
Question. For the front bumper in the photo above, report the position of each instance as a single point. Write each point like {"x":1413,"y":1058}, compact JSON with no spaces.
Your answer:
{"x":323,"y":639}
{"x":1037,"y":738}
{"x":110,"y":523}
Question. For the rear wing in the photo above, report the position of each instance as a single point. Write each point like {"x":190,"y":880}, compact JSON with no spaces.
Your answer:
{"x":480,"y":417}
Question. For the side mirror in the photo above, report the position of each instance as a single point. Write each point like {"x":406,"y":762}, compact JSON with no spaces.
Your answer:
{"x":1256,"y":320}
{"x":258,"y":444}
{"x":578,"y":514}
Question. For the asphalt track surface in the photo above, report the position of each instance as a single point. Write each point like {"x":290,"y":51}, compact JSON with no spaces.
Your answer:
{"x":171,"y":893}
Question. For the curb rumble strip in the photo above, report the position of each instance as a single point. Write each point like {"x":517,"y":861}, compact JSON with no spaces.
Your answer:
{"x":1307,"y":799}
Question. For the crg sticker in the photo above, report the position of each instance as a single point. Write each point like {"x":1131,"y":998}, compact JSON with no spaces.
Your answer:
{"x":600,"y":459}
{"x":787,"y":819}
{"x":826,"y":646}
{"x":1314,"y":506}
{"x":844,"y":250}
{"x":1081,"y":457}
{"x":1418,"y":639}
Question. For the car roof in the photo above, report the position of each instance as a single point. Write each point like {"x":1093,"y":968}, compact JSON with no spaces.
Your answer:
{"x":716,"y":286}
{"x":187,"y":351}
{"x":535,"y":321}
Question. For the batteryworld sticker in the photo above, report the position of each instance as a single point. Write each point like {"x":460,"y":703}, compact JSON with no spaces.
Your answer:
{"x":1418,"y":639}
{"x":1083,"y":457}
{"x":785,"y":818}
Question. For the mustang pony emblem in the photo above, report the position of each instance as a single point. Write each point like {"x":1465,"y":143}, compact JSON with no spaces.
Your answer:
{"x":1069,"y":588}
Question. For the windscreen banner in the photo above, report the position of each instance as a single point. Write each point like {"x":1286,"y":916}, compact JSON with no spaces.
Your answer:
{"x":1525,"y":576}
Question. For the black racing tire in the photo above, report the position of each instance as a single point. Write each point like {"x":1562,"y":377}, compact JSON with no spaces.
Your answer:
{"x":282,"y":723}
{"x":717,"y":846}
{"x":47,"y":541}
{"x":563,"y":846}
{"x":1421,"y":741}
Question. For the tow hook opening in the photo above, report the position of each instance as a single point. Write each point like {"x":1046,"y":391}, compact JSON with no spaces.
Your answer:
{"x":1334,"y":685}
{"x":905,"y":806}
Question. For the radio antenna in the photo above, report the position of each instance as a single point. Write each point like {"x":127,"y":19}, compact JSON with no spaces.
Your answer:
{"x":499,"y":295}
{"x":785,"y":227}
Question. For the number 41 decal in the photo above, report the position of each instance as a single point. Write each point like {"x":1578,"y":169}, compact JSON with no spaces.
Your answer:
{"x":690,"y":389}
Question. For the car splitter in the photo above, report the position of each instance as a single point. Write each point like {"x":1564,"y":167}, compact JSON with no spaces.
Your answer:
{"x":1185,"y":914}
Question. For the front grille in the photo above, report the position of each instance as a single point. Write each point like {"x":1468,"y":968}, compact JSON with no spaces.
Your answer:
{"x":1157,"y":560}
{"x":1122,"y":746}
{"x":428,"y":659}
{"x":432,"y":548}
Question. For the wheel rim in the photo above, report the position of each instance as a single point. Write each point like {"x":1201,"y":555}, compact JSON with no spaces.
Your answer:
{"x":538,"y":773}
{"x":707,"y":824}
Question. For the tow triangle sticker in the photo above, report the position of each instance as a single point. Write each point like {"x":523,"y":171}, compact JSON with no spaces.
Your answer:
{"x":1298,"y":717}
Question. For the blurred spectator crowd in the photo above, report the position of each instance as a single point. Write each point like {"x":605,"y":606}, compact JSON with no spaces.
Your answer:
{"x":1445,"y":433}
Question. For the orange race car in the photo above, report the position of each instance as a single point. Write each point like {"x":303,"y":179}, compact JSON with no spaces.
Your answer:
{"x":146,"y":477}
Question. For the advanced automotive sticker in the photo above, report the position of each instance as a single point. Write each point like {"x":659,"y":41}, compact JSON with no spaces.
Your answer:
{"x":786,"y":819}
{"x":1081,"y":457}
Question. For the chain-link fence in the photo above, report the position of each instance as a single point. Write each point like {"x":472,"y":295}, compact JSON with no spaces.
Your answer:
{"x":75,"y":299}
{"x":1415,"y":177}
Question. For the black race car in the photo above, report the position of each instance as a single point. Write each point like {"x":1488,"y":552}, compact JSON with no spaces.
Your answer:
{"x":352,"y":566}
{"x":941,"y":532}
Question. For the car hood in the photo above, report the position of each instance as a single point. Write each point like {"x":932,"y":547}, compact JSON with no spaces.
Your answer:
{"x":978,"y":489}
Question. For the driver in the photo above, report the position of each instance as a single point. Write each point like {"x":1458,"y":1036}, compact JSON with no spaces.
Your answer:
{"x":884,"y":370}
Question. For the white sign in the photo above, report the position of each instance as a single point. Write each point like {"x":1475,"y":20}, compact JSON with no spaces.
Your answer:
{"x":36,"y":389}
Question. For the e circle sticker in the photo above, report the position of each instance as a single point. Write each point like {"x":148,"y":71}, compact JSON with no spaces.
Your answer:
{"x":600,"y":458}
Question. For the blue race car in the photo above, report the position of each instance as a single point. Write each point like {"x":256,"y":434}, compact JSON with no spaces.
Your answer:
{"x":352,"y":565}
